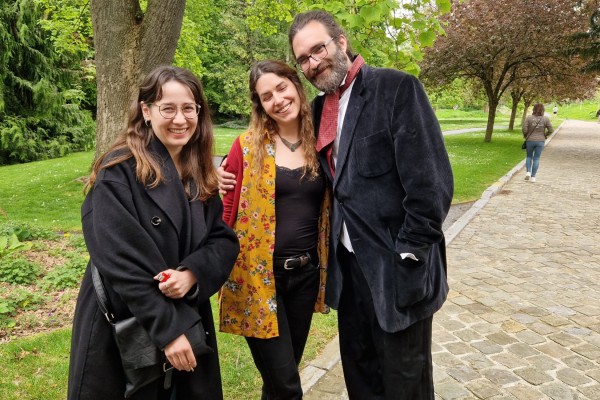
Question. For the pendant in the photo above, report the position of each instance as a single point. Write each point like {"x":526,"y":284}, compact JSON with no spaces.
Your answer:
{"x":289,"y":145}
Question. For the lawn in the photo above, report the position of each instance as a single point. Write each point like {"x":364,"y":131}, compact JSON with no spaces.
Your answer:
{"x":46,"y":196}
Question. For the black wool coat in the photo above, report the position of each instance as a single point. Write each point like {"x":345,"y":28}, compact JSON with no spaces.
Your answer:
{"x":393,"y":187}
{"x":132,"y":233}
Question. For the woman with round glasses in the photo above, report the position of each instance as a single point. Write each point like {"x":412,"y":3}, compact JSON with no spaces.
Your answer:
{"x":152,"y":224}
{"x":279,"y":211}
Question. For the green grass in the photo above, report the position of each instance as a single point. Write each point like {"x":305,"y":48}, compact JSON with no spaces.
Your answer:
{"x":584,"y":111}
{"x":223,"y":139}
{"x":35,"y":367}
{"x":476,"y":164}
{"x":45,"y":193}
{"x":459,"y":119}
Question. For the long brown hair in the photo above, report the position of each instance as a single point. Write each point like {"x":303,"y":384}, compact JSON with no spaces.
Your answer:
{"x":261,"y":125}
{"x":538,"y":109}
{"x":196,"y":155}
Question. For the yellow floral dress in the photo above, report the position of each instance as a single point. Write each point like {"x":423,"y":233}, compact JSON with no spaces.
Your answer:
{"x":247,"y":303}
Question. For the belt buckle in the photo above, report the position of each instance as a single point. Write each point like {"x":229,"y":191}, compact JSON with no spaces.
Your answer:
{"x":285,"y":263}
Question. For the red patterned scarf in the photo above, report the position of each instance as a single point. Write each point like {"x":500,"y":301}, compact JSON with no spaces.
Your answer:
{"x":331,"y":108}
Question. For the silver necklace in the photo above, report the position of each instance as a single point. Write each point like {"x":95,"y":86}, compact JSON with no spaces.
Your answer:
{"x":290,"y":145}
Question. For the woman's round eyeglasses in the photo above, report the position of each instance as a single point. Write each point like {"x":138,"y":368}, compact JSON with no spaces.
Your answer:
{"x":169,"y":111}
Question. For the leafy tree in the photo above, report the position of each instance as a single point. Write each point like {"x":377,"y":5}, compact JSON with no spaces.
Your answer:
{"x":40,"y":90}
{"x":460,"y":93}
{"x":250,"y":31}
{"x":69,"y":24}
{"x":586,"y":42}
{"x":220,"y":39}
{"x":502,"y":42}
{"x":387,"y":33}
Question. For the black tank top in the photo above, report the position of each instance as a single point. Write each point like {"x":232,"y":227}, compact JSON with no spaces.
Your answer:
{"x":297,"y":210}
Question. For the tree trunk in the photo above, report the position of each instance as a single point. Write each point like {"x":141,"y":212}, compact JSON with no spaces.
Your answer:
{"x":128,"y":44}
{"x":513,"y":111}
{"x":526,"y":104}
{"x":490,"y":122}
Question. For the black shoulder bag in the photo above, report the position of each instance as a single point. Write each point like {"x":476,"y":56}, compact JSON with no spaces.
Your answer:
{"x":524,"y":145}
{"x":143,"y":362}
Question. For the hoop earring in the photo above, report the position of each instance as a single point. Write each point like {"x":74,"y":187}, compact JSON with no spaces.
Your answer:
{"x":147,"y":122}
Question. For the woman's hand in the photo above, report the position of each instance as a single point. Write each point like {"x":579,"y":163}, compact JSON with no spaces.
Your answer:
{"x":226,"y":179}
{"x":180,"y":355}
{"x":175,"y":284}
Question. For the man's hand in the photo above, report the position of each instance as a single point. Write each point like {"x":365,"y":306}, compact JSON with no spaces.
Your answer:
{"x":226,"y":179}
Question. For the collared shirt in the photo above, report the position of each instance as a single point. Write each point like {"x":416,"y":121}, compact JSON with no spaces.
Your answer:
{"x":343,"y":106}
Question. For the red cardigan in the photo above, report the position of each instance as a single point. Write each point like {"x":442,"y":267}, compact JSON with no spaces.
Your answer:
{"x":234,"y":165}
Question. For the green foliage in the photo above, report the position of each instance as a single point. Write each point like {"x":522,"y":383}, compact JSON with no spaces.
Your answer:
{"x":385,"y":32}
{"x":19,"y":300}
{"x":18,"y":271}
{"x":41,"y":90}
{"x":65,"y":276}
{"x":389,"y":33}
{"x":26,"y":232}
{"x":465,"y":95}
{"x":9,"y":244}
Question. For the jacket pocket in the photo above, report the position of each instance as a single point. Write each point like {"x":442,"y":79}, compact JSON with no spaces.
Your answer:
{"x":374,"y":154}
{"x":412,"y":281}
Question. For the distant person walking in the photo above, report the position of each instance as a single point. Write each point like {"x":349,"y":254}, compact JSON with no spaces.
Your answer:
{"x":555,"y":110}
{"x":536,"y":129}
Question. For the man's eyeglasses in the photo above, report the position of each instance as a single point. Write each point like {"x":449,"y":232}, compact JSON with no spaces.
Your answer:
{"x":317,"y":55}
{"x":169,"y":111}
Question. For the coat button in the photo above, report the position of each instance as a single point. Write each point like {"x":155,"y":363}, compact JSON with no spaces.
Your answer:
{"x":156,"y":221}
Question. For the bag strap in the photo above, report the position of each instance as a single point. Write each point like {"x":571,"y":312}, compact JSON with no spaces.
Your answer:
{"x":536,"y":125}
{"x":101,"y":297}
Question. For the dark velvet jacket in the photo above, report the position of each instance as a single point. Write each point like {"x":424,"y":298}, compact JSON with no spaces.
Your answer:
{"x":393,"y":188}
{"x":133,"y":232}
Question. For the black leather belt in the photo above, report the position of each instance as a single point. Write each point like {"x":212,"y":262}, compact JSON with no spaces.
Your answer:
{"x":291,"y":262}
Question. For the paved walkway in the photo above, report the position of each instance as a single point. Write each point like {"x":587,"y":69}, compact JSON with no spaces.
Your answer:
{"x":522,"y":320}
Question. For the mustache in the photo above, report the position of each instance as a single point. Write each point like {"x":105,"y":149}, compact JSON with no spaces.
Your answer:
{"x":321,"y":67}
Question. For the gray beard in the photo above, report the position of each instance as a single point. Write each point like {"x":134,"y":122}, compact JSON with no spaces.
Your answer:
{"x":339,"y":69}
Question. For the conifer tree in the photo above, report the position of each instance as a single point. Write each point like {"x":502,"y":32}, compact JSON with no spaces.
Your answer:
{"x":40,"y":113}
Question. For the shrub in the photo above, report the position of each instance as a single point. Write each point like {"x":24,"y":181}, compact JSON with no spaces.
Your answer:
{"x":10,"y":244}
{"x":65,"y":276}
{"x":18,"y":271}
{"x":26,"y":232}
{"x":20,"y":300}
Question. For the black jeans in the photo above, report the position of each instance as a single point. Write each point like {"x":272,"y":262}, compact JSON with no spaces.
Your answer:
{"x":277,"y":358}
{"x":379,"y":364}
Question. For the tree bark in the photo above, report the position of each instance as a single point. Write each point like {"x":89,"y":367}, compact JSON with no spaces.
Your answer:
{"x":493,"y":105}
{"x":516,"y":98}
{"x":129,"y":43}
